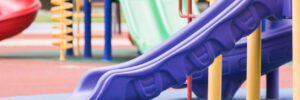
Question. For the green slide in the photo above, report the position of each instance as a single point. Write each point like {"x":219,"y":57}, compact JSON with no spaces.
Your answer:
{"x":151,"y":22}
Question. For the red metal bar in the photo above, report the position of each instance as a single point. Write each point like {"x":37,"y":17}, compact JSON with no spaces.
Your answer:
{"x":189,"y":89}
{"x":189,"y":10}
{"x":189,"y":16}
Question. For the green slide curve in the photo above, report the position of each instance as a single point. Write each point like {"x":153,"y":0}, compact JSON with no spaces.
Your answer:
{"x":150,"y":22}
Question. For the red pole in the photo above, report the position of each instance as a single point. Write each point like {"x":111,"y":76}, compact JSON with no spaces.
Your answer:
{"x":189,"y":16}
{"x":189,"y":79}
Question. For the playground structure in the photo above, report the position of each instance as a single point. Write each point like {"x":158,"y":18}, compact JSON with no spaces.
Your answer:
{"x":182,"y":50}
{"x":65,"y":19}
{"x":275,"y":52}
{"x":107,"y":79}
{"x":65,"y":33}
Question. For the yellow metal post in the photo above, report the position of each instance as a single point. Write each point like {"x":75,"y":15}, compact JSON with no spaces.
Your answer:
{"x":215,"y":77}
{"x":296,"y":50}
{"x":62,"y":35}
{"x":78,"y":24}
{"x":254,"y":65}
{"x":215,"y":80}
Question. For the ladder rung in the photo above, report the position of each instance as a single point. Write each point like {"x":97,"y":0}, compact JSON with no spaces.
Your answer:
{"x":67,"y":46}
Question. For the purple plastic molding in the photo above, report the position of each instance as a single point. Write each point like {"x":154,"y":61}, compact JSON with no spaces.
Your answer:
{"x":276,"y":51}
{"x":190,"y":50}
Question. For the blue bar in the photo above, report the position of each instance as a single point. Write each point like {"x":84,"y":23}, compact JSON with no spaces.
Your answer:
{"x":273,"y":85}
{"x":263,"y":25}
{"x":87,"y":29}
{"x":70,"y":52}
{"x":107,"y":33}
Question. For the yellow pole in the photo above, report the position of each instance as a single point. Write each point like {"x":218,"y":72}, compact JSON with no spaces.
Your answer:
{"x":254,"y":65}
{"x":78,"y":30}
{"x":62,"y":53}
{"x":215,"y":77}
{"x":215,"y":80}
{"x":296,"y":49}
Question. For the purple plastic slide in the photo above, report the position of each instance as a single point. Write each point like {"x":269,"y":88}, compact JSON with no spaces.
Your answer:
{"x":276,"y":51}
{"x":190,"y":50}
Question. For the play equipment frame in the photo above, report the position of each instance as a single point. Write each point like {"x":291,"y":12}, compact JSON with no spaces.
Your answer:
{"x":107,"y":29}
{"x":254,"y":69}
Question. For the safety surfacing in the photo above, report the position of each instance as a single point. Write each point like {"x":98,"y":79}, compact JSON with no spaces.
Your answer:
{"x":285,"y":94}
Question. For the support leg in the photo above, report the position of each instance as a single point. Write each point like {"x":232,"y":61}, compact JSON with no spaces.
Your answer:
{"x":107,"y":33}
{"x":87,"y":29}
{"x":254,"y":65}
{"x":273,"y":84}
{"x":296,"y":49}
{"x":119,"y":17}
{"x":215,"y":77}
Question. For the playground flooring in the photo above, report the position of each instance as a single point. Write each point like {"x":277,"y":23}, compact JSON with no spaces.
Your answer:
{"x":30,"y":69}
{"x":285,"y":94}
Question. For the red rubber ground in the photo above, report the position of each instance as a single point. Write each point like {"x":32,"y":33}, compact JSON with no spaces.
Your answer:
{"x":22,"y":77}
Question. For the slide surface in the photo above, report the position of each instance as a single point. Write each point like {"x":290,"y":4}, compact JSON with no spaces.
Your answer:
{"x":16,"y":15}
{"x":276,"y":51}
{"x":191,"y":49}
{"x":153,"y":21}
